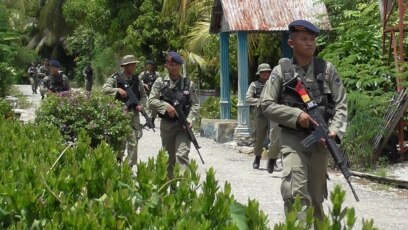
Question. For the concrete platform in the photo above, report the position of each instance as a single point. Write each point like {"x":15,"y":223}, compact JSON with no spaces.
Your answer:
{"x":219,"y":130}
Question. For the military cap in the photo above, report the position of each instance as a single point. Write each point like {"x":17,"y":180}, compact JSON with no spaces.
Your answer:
{"x":128,"y":59}
{"x":55,"y":63}
{"x":149,"y":62}
{"x":174,"y":57}
{"x":263,"y":67}
{"x":303,"y":25}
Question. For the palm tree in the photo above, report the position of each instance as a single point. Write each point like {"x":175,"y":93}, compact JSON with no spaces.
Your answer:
{"x":187,"y":11}
{"x":44,"y":17}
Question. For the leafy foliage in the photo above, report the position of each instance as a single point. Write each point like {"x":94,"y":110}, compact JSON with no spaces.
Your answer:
{"x":5,"y":109}
{"x":366,"y":114}
{"x":7,"y":74}
{"x":100,"y":116}
{"x":211,"y":108}
{"x":356,"y":48}
{"x":338,"y":217}
{"x":86,"y":188}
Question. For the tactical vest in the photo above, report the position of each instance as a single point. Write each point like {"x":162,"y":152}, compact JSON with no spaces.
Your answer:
{"x":120,"y":83}
{"x":259,"y":85}
{"x":57,"y":84}
{"x":44,"y":70}
{"x":315,"y":89}
{"x":149,"y":79}
{"x":32,"y":71}
{"x":181,"y":92}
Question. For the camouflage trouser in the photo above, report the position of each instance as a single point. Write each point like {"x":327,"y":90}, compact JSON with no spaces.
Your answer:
{"x":262,"y":124}
{"x":132,"y":141}
{"x":304,"y":173}
{"x":34,"y":83}
{"x":175,"y":141}
{"x":88,"y":85}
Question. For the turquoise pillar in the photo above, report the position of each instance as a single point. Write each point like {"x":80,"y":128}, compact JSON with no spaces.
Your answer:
{"x":242,"y":131}
{"x":225,"y":98}
{"x":286,"y":50}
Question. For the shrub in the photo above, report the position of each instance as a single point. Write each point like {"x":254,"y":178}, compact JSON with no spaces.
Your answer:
{"x":365,"y":120}
{"x":337,"y":218}
{"x":105,"y":63}
{"x":100,"y":116}
{"x":7,"y":74}
{"x":86,"y":189}
{"x":211,"y":108}
{"x":5,"y":109}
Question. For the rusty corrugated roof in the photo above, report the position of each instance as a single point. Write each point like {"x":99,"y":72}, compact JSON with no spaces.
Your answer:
{"x":265,"y":15}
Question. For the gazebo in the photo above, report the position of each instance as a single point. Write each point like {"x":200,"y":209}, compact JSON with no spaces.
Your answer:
{"x":254,"y":16}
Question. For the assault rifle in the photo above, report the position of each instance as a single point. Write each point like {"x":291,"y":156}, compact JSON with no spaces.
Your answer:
{"x":321,"y":131}
{"x":182,"y":119}
{"x":132,"y":102}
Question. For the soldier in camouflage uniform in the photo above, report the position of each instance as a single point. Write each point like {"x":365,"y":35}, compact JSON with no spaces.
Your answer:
{"x":115,"y":86}
{"x":262,"y":124}
{"x":148,"y":77}
{"x":173,"y":136}
{"x":304,"y":169}
{"x":33,"y":77}
{"x":42,"y":72}
{"x":88,"y":74}
{"x":56,"y":82}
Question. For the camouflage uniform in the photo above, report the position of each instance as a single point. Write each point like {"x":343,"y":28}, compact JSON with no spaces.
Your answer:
{"x":111,"y":88}
{"x":55,"y":84}
{"x":149,"y":79}
{"x":42,"y":72}
{"x":173,"y":136}
{"x":32,"y":72}
{"x":88,"y":74}
{"x":262,"y":124}
{"x":304,"y":169}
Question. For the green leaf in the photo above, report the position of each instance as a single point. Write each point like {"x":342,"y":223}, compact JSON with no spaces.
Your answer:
{"x":237,"y":214}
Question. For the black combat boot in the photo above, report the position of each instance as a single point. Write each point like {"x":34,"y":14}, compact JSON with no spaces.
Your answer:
{"x":271,"y":165}
{"x":257,"y":160}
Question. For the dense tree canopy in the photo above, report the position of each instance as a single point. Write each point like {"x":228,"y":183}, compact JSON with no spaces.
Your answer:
{"x":101,"y":31}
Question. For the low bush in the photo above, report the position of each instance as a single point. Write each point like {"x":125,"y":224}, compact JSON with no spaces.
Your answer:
{"x":7,"y":75}
{"x":100,"y":116}
{"x":211,"y":108}
{"x":5,"y":109}
{"x":365,"y":120}
{"x":337,"y":218}
{"x":84,"y":188}
{"x":47,"y":185}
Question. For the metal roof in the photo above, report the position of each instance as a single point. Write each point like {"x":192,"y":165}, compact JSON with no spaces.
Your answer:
{"x":265,"y":15}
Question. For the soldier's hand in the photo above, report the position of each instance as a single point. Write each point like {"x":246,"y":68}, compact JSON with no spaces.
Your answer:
{"x":122,"y":93}
{"x":171,"y":111}
{"x":331,"y":135}
{"x":304,"y":120}
{"x":146,"y":86}
{"x":138,"y":108}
